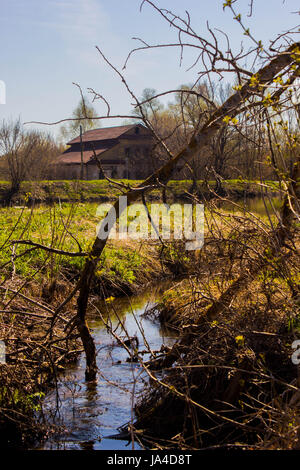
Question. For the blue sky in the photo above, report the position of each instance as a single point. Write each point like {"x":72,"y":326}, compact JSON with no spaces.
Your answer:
{"x":46,"y":45}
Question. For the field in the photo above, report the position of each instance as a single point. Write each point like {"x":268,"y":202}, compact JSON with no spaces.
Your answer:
{"x":228,"y":349}
{"x":102,"y":190}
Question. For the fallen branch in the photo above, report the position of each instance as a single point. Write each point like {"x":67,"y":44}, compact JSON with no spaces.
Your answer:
{"x":49,"y":248}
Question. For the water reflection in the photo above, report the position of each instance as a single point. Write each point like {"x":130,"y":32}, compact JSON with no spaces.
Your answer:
{"x":90,"y":412}
{"x":257,"y":205}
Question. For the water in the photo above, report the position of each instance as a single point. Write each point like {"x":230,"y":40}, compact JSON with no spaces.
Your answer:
{"x":89,"y":413}
{"x":257,"y":205}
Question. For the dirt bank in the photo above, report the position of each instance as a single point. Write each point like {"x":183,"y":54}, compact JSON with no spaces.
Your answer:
{"x":230,"y":381}
{"x":37,"y":350}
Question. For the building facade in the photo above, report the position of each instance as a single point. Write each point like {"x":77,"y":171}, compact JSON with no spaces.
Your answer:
{"x":124,"y":152}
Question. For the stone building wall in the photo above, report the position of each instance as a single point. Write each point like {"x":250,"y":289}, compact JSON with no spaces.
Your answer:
{"x":129,"y":157}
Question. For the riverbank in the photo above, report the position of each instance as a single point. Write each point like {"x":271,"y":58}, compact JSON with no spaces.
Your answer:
{"x":47,"y":192}
{"x":231,"y":380}
{"x":225,"y":365}
{"x":37,"y":354}
{"x":35,"y":280}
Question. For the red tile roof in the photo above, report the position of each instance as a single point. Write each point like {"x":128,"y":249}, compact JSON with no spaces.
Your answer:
{"x":103,"y":133}
{"x":75,"y":157}
{"x":103,"y":138}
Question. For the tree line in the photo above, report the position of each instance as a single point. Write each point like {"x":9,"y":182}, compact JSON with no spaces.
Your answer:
{"x":244,"y":148}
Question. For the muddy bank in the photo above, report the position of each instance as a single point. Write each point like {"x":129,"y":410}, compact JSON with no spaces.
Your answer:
{"x":33,"y":362}
{"x":230,"y":379}
{"x":232,"y":383}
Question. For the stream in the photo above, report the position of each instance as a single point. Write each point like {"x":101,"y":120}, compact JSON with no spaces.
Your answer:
{"x":88,"y":413}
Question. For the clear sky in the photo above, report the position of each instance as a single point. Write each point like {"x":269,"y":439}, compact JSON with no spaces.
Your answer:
{"x":48,"y":44}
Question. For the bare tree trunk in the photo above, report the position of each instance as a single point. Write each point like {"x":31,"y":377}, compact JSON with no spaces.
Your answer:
{"x":229,"y":108}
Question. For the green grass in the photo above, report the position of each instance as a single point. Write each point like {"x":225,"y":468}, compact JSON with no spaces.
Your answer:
{"x":102,"y":190}
{"x":66,"y":226}
{"x":47,"y":226}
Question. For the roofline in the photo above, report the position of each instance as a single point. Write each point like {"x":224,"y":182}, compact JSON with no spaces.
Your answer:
{"x":92,"y":159}
{"x":129,"y":126}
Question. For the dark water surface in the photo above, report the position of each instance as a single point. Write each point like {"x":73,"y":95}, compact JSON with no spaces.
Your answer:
{"x":88,"y":413}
